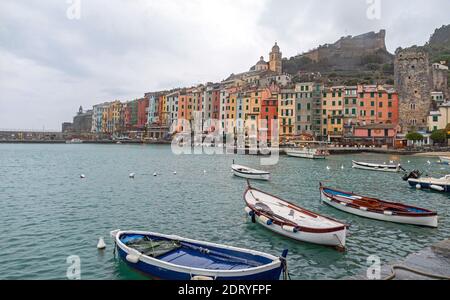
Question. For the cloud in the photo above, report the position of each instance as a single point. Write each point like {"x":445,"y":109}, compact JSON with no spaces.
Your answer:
{"x":121,"y":49}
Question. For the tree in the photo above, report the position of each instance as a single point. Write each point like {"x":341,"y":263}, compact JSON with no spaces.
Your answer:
{"x":414,"y":136}
{"x":439,"y":136}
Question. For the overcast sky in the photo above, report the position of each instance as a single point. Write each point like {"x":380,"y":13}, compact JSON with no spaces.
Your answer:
{"x":51,"y":62}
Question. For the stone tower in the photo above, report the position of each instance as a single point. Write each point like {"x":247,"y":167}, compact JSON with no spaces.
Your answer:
{"x":276,"y":60}
{"x":413,"y":83}
{"x":439,"y":73}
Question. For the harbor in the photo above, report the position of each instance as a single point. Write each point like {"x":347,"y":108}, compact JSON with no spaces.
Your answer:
{"x":197,"y":197}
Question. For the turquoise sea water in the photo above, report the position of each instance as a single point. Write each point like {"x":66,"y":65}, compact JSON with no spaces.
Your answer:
{"x":48,"y":213}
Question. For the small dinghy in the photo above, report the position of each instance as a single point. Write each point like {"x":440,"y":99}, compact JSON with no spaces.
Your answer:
{"x":377,"y":167}
{"x":292,"y":221}
{"x":378,"y":209}
{"x":436,"y":184}
{"x":249,"y":173}
{"x":174,"y":258}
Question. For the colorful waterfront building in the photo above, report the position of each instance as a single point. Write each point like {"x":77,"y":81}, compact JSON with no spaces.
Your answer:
{"x":97,"y":117}
{"x":303,"y":109}
{"x":440,"y":118}
{"x":142,"y":113}
{"x":172,"y":107}
{"x":286,"y":114}
{"x":153,"y":116}
{"x":377,"y":105}
{"x":332,"y":112}
{"x":269,"y":113}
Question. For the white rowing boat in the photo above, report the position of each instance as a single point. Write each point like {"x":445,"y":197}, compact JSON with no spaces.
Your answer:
{"x":378,"y":209}
{"x":292,"y":221}
{"x":377,"y":167}
{"x":249,"y":173}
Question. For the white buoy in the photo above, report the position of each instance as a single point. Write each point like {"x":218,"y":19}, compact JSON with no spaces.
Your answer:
{"x":132,"y":175}
{"x":154,"y":174}
{"x":204,"y":171}
{"x":429,"y":162}
{"x":101,"y":244}
{"x":342,"y":167}
{"x":409,"y":161}
{"x":328,"y":168}
{"x":418,"y":186}
{"x":175,"y":173}
{"x":82,"y":176}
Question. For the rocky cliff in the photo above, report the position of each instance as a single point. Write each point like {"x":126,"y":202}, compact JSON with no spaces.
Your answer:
{"x":351,"y":53}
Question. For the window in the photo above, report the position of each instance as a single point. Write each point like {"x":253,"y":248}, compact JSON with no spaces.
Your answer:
{"x":354,"y":111}
{"x":435,"y":118}
{"x":380,"y":104}
{"x":390,"y":115}
{"x":390,"y":104}
{"x":308,"y":106}
{"x":380,"y":115}
{"x":346,"y":101}
{"x":372,"y":103}
{"x":372,"y":95}
{"x":299,"y":106}
{"x":361,"y":104}
{"x":372,"y":113}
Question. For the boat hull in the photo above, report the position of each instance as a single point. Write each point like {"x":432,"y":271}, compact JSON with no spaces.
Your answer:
{"x":243,"y":172}
{"x":333,"y":239}
{"x":379,"y":168}
{"x":445,"y":160}
{"x":429,"y":185}
{"x":157,"y":269}
{"x":291,"y":221}
{"x":305,"y":155}
{"x":430,"y":221}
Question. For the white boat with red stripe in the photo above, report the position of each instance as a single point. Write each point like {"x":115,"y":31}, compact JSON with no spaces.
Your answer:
{"x":292,"y":221}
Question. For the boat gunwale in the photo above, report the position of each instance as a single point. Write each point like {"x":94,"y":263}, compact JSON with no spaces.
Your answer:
{"x":299,"y":209}
{"x":274,"y":264}
{"x":427,"y":212}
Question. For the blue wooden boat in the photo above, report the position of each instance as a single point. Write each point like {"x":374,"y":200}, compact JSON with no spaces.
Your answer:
{"x":170,"y":257}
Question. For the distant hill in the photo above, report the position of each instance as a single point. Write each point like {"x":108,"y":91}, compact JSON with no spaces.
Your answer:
{"x":362,"y":58}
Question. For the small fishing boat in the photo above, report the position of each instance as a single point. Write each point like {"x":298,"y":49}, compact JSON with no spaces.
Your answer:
{"x":394,"y":168}
{"x":378,"y":209}
{"x":74,"y":141}
{"x":249,"y":173}
{"x":292,"y":221}
{"x":444,"y":160}
{"x":308,"y":153}
{"x":171,"y":257}
{"x":436,"y":184}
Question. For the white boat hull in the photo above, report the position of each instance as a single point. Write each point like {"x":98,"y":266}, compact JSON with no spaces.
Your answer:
{"x":420,"y":221}
{"x":252,"y":176}
{"x":294,"y":222}
{"x":332,"y":239}
{"x":379,"y":168}
{"x":305,"y":155}
{"x":248,"y":173}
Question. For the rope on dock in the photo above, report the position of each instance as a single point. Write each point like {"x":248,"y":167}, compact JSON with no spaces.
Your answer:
{"x":419,"y":272}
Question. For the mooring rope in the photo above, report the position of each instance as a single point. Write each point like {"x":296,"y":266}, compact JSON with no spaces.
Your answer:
{"x":419,"y":272}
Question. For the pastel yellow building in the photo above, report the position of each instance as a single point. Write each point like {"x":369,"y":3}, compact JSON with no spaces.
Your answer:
{"x":332,"y":112}
{"x":286,"y":114}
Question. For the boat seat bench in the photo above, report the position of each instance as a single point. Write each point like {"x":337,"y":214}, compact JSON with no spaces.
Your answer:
{"x":190,"y":258}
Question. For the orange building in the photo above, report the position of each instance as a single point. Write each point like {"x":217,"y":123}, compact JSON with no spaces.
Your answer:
{"x":377,"y":105}
{"x":269,"y":112}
